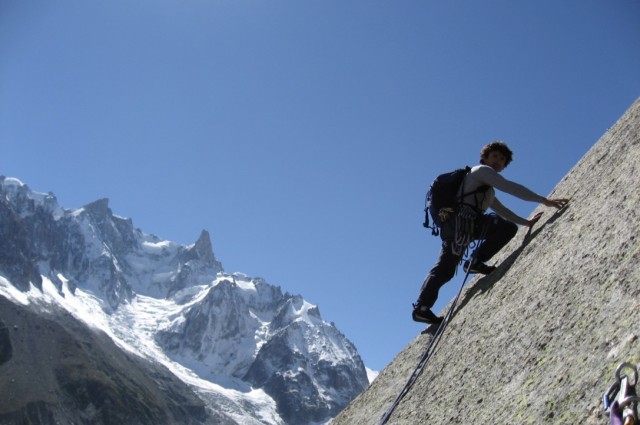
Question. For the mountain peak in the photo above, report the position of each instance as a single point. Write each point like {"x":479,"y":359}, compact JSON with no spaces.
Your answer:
{"x":204,"y":248}
{"x":11,"y":183}
{"x":197,"y":257}
{"x":98,"y":208}
{"x":19,"y":194}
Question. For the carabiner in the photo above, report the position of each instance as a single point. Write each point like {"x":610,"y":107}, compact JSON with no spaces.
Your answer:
{"x":610,"y":396}
{"x":627,"y":397}
{"x":622,"y":390}
{"x":627,"y":365}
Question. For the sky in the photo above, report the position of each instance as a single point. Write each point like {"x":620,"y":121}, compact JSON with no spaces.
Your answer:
{"x":303,"y":135}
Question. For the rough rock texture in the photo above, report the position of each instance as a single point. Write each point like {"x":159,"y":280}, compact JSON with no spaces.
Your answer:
{"x":538,"y":341}
{"x":16,"y":261}
{"x":295,"y":373}
{"x":55,"y":370}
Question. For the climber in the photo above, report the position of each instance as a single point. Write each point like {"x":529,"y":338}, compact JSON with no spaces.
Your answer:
{"x":496,"y":229}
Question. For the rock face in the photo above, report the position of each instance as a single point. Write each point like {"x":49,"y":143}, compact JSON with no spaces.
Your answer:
{"x":16,"y":260}
{"x":538,"y":340}
{"x":302,"y":355}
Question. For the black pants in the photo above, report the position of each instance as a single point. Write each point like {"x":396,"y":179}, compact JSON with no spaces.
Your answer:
{"x":498,"y":233}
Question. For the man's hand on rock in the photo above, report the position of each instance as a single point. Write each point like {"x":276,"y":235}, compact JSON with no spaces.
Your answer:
{"x":534,"y":220}
{"x":556,"y":203}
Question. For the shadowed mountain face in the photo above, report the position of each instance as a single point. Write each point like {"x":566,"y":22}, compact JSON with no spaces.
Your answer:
{"x":53,"y":369}
{"x":538,"y":340}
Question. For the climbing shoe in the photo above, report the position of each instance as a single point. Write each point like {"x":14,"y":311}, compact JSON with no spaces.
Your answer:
{"x":425,"y":315}
{"x":477,"y":267}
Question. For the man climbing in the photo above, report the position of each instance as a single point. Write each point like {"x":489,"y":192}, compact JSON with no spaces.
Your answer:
{"x":496,"y":229}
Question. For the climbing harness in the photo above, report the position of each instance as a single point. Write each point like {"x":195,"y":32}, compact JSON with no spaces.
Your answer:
{"x":431,"y":348}
{"x":621,"y":400}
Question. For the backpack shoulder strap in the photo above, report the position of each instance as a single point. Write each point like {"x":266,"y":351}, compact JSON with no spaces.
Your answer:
{"x":479,"y":190}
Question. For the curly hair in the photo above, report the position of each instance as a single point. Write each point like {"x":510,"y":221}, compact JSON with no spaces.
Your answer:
{"x":496,"y":145}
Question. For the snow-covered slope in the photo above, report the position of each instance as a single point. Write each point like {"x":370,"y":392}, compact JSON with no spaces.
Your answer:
{"x":253,"y":353}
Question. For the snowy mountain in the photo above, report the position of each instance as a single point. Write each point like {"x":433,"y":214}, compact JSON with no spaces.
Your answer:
{"x":245,"y":350}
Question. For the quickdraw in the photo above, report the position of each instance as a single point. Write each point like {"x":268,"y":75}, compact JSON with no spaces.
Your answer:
{"x":621,"y":400}
{"x":465,"y":229}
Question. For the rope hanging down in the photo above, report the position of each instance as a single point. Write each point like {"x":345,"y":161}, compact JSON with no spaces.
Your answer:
{"x":431,"y":348}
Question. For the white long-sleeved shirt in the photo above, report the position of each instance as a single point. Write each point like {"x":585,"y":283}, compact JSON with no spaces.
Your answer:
{"x":482,"y":175}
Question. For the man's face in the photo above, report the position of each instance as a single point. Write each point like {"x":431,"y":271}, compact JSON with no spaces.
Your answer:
{"x":496,"y":160}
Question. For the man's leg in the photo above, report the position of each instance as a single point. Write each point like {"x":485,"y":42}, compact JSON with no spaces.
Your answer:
{"x":499,"y":232}
{"x":442,"y":272}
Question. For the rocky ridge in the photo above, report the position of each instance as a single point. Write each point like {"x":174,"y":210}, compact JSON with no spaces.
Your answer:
{"x":249,"y":353}
{"x":538,"y":340}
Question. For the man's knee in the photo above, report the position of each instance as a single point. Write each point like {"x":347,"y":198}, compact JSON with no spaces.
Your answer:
{"x":448,"y":273}
{"x":504,"y":229}
{"x":511,"y":229}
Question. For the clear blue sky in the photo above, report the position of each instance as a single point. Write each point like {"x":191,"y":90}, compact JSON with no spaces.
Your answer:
{"x":303,"y":134}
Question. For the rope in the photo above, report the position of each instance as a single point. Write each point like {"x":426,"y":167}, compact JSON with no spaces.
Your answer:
{"x":431,"y":348}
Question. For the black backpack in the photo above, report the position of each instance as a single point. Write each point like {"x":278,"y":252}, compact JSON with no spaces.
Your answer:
{"x":443,"y":194}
